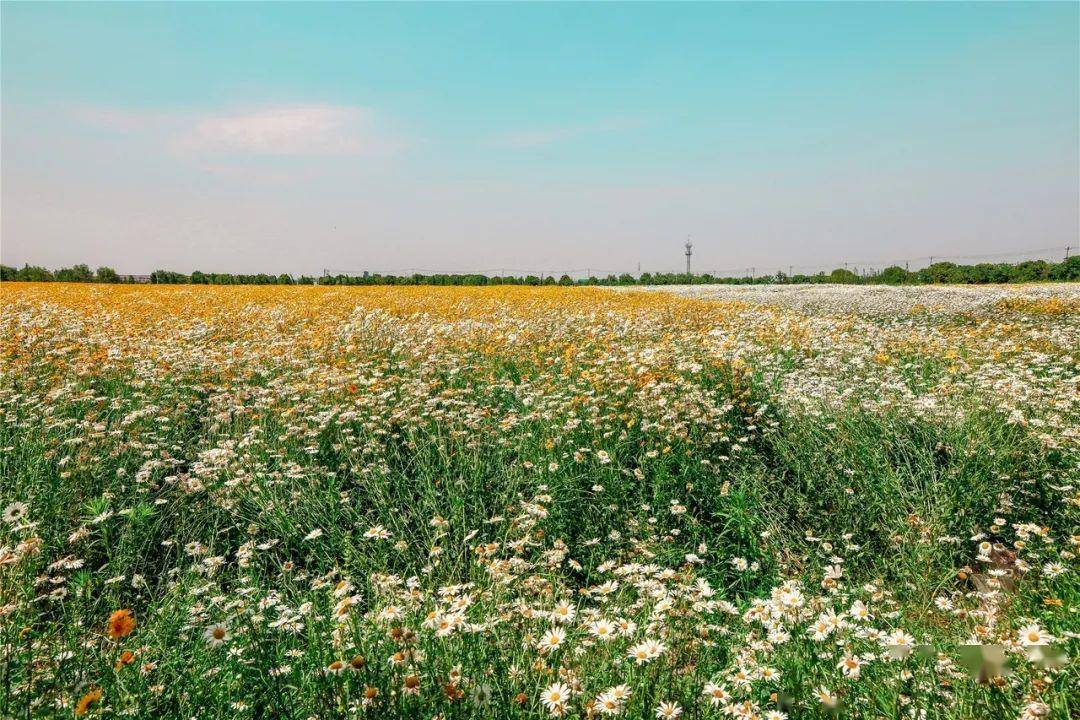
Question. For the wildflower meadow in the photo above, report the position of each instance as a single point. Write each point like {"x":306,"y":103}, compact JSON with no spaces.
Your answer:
{"x":313,"y":502}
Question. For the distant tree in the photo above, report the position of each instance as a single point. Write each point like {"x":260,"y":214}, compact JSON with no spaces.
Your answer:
{"x":168,"y":277}
{"x":978,"y":274}
{"x":936,"y":273}
{"x":106,"y":274}
{"x":893,"y":275}
{"x":75,"y":273}
{"x":1066,"y":270}
{"x":1031,"y":271}
{"x":843,"y":276}
{"x":34,"y":273}
{"x":942,"y":272}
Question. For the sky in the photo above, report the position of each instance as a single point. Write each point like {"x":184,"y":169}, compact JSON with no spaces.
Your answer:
{"x":298,"y":137}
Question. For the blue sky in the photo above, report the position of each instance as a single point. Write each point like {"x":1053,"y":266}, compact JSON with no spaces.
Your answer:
{"x":297,"y":136}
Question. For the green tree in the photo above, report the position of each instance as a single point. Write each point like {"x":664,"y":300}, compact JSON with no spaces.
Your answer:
{"x":106,"y":274}
{"x":843,"y":276}
{"x":1066,"y":270}
{"x":75,"y":273}
{"x":34,"y":273}
{"x":893,"y":275}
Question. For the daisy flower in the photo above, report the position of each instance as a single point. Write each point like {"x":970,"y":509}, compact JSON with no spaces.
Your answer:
{"x":555,"y":697}
{"x":564,"y":612}
{"x":645,"y":651}
{"x":216,"y":635}
{"x":851,"y":666}
{"x":377,"y":532}
{"x":602,"y":629}
{"x":717,"y":694}
{"x":15,"y":512}
{"x":1035,"y":635}
{"x":551,"y":640}
{"x":826,"y":697}
{"x":608,"y":704}
{"x":668,"y":710}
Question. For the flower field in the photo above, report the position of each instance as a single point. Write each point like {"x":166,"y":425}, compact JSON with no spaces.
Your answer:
{"x":417,"y":502}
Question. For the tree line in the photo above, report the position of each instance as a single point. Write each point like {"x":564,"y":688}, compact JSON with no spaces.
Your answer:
{"x":1067,"y":270}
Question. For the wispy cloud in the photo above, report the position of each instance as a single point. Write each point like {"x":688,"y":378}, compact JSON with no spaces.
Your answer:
{"x":296,"y":130}
{"x":317,"y":130}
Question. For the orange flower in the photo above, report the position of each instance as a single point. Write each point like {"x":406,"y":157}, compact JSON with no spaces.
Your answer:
{"x":121,"y":624}
{"x":125,"y":658}
{"x":92,"y":696}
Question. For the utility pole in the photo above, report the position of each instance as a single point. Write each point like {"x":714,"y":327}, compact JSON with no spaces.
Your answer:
{"x":689,"y":252}
{"x":1067,"y":249}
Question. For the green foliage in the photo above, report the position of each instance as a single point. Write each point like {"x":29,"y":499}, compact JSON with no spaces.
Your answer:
{"x":893,"y":275}
{"x":75,"y":273}
{"x":843,"y":277}
{"x":106,"y":274}
{"x":937,"y":273}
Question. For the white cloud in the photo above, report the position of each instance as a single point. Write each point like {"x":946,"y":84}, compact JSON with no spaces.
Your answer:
{"x":285,"y":130}
{"x":293,"y":130}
